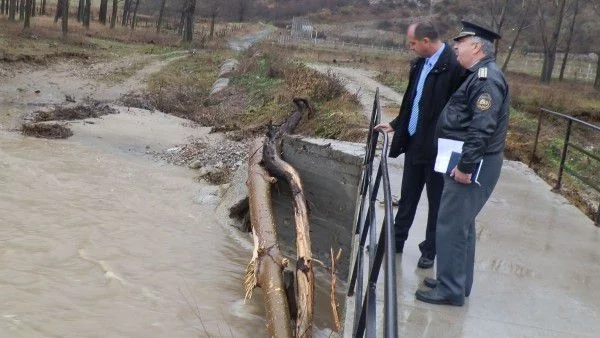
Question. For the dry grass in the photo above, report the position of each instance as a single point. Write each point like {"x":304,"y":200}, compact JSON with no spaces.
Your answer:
{"x":271,"y":81}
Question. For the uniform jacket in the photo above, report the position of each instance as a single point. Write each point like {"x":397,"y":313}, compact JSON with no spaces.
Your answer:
{"x":443,"y":79}
{"x":477,"y":114}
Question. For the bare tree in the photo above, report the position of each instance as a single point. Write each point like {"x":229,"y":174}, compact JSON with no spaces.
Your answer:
{"x":21,"y":10}
{"x":113,"y":17}
{"x":133,"y":20}
{"x":12,"y":9}
{"x":126,"y":10}
{"x":569,"y":39}
{"x":242,"y":8}
{"x":28,"y":5}
{"x":161,"y":15}
{"x":65,"y":17}
{"x":87,"y":13}
{"x":102,"y":14}
{"x":550,"y":43}
{"x":188,"y":29}
{"x":43,"y":9}
{"x":596,"y":6}
{"x":524,"y":16}
{"x":80,"y":10}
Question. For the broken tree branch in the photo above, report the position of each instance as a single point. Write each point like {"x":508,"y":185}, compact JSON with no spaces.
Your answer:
{"x":281,"y":169}
{"x":265,"y":269}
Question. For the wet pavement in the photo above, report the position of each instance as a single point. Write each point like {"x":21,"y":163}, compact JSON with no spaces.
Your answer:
{"x":537,"y":271}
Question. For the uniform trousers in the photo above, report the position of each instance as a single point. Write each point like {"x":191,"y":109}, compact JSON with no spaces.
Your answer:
{"x":455,"y":237}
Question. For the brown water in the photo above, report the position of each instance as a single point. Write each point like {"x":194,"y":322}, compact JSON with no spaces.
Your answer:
{"x":96,"y":241}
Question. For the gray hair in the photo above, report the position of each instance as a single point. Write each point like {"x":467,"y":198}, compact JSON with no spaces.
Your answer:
{"x":487,"y":47}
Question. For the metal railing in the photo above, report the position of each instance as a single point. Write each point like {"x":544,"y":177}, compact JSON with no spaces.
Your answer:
{"x":568,"y":144}
{"x":365,"y":319}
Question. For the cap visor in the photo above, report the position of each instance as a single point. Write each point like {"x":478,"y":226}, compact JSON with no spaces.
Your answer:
{"x":462,"y":35}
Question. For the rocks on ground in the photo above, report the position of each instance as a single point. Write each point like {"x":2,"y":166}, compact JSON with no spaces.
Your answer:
{"x":215,"y":160}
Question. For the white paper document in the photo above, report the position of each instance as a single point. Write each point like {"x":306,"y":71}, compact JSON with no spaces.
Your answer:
{"x":445,"y":149}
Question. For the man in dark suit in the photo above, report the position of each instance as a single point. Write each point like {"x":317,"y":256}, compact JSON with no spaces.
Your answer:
{"x":434,"y":76}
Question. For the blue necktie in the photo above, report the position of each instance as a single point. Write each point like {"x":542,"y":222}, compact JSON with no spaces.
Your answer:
{"x":414,"y":114}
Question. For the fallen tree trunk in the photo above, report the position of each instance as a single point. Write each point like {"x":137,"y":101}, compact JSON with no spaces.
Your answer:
{"x":265,"y":269}
{"x":281,"y":169}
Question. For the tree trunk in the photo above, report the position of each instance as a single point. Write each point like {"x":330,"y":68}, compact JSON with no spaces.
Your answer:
{"x":137,"y":3}
{"x":188,"y":31}
{"x":212,"y":24}
{"x":32,"y":8}
{"x":522,"y":22}
{"x":80,"y":10}
{"x":242,"y":10}
{"x":65,"y":17}
{"x":103,"y":11}
{"x":500,"y":23}
{"x":87,"y":14}
{"x":21,"y":10}
{"x":182,"y":20}
{"x":281,"y":169}
{"x":2,"y":4}
{"x":113,"y":17}
{"x":160,"y":15}
{"x":265,"y":269}
{"x":43,"y":11}
{"x":126,"y":5}
{"x":59,"y":8}
{"x":569,"y":40}
{"x":28,"y":4}
{"x":550,"y":52}
{"x":597,"y":80}
{"x":12,"y":10}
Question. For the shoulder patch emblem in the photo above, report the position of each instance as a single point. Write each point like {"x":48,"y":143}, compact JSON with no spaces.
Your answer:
{"x":484,"y":101}
{"x":482,"y":73}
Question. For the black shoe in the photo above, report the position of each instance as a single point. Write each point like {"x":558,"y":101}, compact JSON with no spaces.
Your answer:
{"x":433,"y":297}
{"x":425,"y":263}
{"x":430,"y":282}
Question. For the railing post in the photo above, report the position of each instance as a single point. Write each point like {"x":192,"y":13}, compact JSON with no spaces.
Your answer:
{"x":537,"y":136}
{"x":563,"y":157}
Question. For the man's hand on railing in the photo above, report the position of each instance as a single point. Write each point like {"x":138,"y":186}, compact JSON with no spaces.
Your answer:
{"x":385,"y":127}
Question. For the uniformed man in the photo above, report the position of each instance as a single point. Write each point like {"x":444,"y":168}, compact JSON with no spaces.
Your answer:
{"x":477,"y":113}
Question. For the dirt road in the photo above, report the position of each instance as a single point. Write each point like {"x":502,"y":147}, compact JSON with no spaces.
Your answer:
{"x":361,"y":81}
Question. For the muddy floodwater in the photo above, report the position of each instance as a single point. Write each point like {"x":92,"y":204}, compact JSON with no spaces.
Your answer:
{"x":99,"y":239}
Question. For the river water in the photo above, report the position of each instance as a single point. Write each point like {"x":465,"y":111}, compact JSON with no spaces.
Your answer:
{"x":98,"y":239}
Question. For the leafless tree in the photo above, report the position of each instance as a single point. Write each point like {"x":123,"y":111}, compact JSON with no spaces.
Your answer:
{"x":28,"y":5}
{"x":550,"y":43}
{"x":12,"y":9}
{"x":133,"y":20}
{"x":87,"y":13}
{"x":596,"y":6}
{"x":569,"y":39}
{"x":21,"y":10}
{"x":161,"y":15}
{"x":188,"y":29}
{"x":113,"y":17}
{"x":65,"y":17}
{"x":80,"y":10}
{"x":525,"y":9}
{"x":103,"y":12}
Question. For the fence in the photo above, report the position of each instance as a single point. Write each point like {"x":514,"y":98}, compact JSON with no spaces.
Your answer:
{"x":576,"y":153}
{"x":365,"y":319}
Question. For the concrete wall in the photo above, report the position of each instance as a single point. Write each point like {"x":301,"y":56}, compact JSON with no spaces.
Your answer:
{"x":330,"y":171}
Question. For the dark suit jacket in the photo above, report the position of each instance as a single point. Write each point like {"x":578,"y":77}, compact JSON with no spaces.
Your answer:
{"x":441,"y":82}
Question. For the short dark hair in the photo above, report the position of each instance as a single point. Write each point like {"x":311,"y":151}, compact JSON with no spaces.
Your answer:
{"x":426,"y":29}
